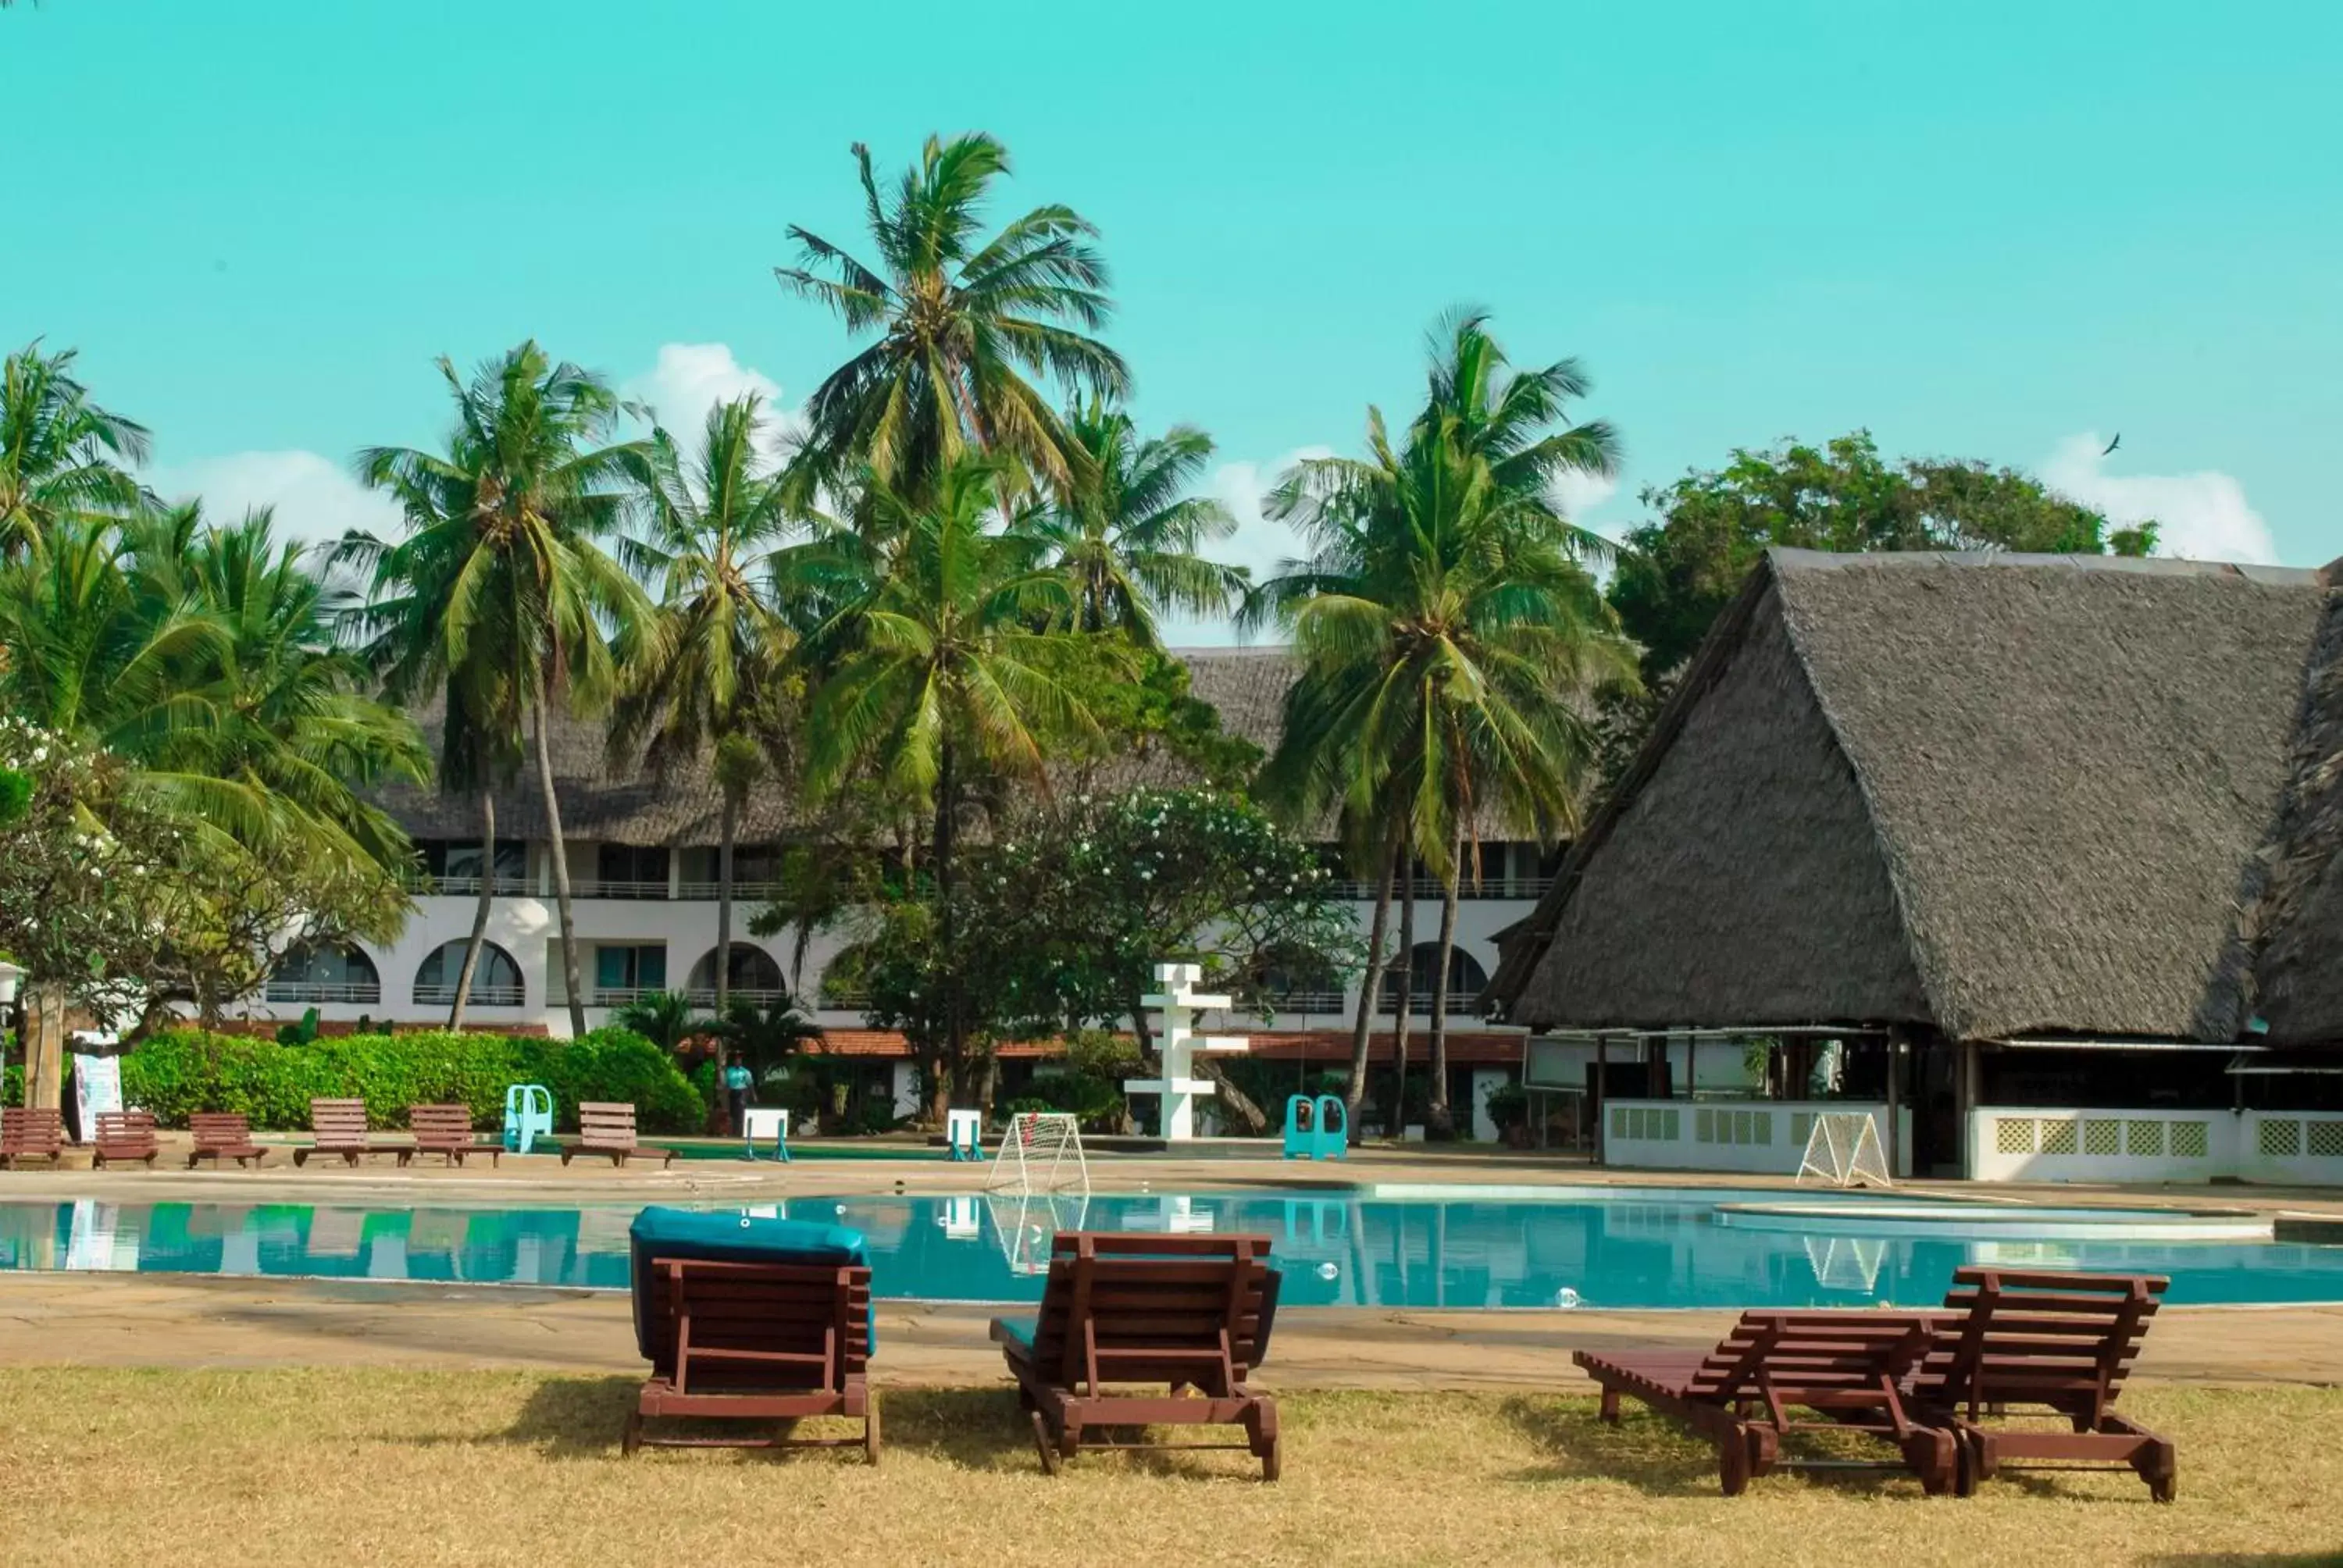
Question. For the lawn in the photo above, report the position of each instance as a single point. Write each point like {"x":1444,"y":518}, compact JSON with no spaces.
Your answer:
{"x":364,"y":1466}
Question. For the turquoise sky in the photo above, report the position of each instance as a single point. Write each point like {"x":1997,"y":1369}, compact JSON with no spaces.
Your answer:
{"x":1981,"y":230}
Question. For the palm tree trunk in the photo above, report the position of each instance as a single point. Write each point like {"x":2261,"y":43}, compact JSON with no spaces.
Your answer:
{"x":570,"y":969}
{"x":955,"y":1027}
{"x":480,"y":910}
{"x":1405,"y":999}
{"x":1443,"y":1121}
{"x":1373,"y":981}
{"x":731,"y":825}
{"x":45,"y":1046}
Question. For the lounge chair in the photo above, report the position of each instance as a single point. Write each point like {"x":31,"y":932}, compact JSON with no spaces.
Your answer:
{"x":222,"y":1135}
{"x":607,"y":1127}
{"x":1191,"y":1312}
{"x":2054,"y":1341}
{"x":447,"y":1131}
{"x":28,"y":1134}
{"x":126,"y":1135}
{"x":1848,"y":1367}
{"x":751,"y":1319}
{"x":339,"y":1126}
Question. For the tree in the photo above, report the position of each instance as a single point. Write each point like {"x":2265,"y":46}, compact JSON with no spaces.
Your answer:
{"x":961,"y":322}
{"x":767,"y":1037}
{"x":713,"y":654}
{"x":502,"y":590}
{"x":62,"y":458}
{"x":1129,"y":537}
{"x":665,"y":1018}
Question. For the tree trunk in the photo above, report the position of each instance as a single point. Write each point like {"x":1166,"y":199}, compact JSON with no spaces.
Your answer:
{"x":1442,"y":1120}
{"x":1373,"y":981}
{"x":955,"y":1026}
{"x":1405,"y":999}
{"x":731,"y":825}
{"x":480,"y":910}
{"x":570,"y":969}
{"x":1240,"y":1106}
{"x":45,"y":1046}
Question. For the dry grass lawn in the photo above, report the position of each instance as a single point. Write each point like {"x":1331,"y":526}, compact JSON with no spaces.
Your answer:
{"x":103,"y":1466}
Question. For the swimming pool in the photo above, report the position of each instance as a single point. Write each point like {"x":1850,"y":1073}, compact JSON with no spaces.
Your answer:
{"x":1638,"y":1247}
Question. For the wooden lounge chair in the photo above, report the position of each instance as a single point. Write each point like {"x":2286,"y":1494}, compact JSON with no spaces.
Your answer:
{"x":126,"y":1135}
{"x":1847,"y":1367}
{"x":751,"y":1319}
{"x":1189,"y":1311}
{"x":607,"y":1127}
{"x":28,"y":1134}
{"x":222,"y":1135}
{"x":339,"y":1126}
{"x":445,"y":1129}
{"x":2053,"y":1341}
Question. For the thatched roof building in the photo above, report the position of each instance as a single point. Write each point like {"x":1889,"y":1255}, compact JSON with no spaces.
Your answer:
{"x":1986,"y":797}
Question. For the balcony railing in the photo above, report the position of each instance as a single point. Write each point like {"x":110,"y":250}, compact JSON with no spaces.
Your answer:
{"x":595,"y":888}
{"x":324,"y":991}
{"x":1428,"y":890}
{"x":482,"y":995}
{"x":1461,"y":1004}
{"x":743,"y":892}
{"x":426,"y":886}
{"x":1307,"y":1001}
{"x":621,"y":995}
{"x":761,"y":996}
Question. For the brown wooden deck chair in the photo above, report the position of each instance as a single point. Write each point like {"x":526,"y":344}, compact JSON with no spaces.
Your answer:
{"x":339,"y":1126}
{"x":2052,"y":1341}
{"x":1849,"y":1368}
{"x":607,"y":1127}
{"x":30,"y":1134}
{"x":445,"y":1129}
{"x":756,"y":1342}
{"x":222,"y":1135}
{"x":1189,"y":1311}
{"x":126,"y":1135}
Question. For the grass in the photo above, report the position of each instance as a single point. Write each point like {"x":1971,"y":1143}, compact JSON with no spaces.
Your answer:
{"x":364,"y":1466}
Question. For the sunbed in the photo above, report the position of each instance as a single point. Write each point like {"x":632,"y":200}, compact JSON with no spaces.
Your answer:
{"x":1849,"y":1368}
{"x":607,"y":1127}
{"x":2059,"y":1343}
{"x":222,"y":1135}
{"x":30,"y":1134}
{"x":339,"y":1126}
{"x":447,"y":1131}
{"x":745,"y":1318}
{"x":125,"y":1135}
{"x":1190,"y":1313}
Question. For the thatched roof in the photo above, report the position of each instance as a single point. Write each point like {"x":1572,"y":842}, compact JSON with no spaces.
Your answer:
{"x":1993,"y":795}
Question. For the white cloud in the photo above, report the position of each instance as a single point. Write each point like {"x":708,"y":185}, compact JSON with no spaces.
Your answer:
{"x":2201,"y":517}
{"x":315,"y":498}
{"x":690,"y":378}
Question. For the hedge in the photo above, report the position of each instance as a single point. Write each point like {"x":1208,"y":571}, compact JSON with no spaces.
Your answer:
{"x":180,"y":1071}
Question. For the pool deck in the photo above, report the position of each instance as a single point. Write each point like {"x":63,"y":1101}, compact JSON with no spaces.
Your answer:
{"x":185,"y":1322}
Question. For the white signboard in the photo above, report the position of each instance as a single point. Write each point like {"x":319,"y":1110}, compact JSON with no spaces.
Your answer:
{"x":98,"y":1086}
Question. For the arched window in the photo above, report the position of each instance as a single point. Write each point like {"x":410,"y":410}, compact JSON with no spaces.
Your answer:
{"x":496,"y":979}
{"x":325,"y":972}
{"x":846,"y":983}
{"x":1465,"y":979}
{"x":752,"y":974}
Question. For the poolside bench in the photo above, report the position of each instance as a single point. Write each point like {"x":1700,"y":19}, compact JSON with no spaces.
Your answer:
{"x":339,"y":1126}
{"x":31,"y":1134}
{"x":446,"y":1130}
{"x":125,"y":1135}
{"x":222,"y":1135}
{"x":607,"y":1127}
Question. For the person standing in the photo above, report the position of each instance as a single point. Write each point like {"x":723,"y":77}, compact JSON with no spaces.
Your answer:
{"x":739,"y":1093}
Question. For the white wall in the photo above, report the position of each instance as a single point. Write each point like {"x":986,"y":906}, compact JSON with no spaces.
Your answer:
{"x":2054,"y":1143}
{"x":1755,"y":1136}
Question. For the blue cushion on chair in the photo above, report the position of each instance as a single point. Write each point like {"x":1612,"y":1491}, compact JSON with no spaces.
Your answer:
{"x":734,"y":1236}
{"x":1022,"y":1329}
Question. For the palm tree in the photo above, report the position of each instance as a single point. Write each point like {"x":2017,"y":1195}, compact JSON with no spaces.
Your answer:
{"x":961,"y":322}
{"x":665,"y":1018}
{"x":768,"y":1036}
{"x":1128,"y":538}
{"x":1447,"y":627}
{"x":62,"y":456}
{"x":501,"y":591}
{"x":712,"y":654}
{"x":935,"y":670}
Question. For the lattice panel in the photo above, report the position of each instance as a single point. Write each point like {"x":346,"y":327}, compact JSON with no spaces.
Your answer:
{"x":2058,"y":1137}
{"x":2327,"y":1140}
{"x":2143,"y":1140}
{"x":2101,"y":1137}
{"x":2280,"y":1139}
{"x":2013,"y":1135}
{"x":2191,"y":1140}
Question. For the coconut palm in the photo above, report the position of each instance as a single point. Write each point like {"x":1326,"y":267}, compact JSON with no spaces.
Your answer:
{"x":62,"y":458}
{"x":501,"y":591}
{"x":1129,"y":539}
{"x":961,"y":320}
{"x":711,"y":656}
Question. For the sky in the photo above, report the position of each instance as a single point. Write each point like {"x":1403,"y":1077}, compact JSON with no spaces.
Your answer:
{"x":2005,"y":232}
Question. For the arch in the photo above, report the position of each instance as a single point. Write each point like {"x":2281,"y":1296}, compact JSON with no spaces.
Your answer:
{"x":1465,"y":979}
{"x":496,"y":979}
{"x":845,"y":979}
{"x":325,"y":972}
{"x":752,"y":972}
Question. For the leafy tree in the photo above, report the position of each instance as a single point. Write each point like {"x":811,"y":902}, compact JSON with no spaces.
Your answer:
{"x":502,"y":590}
{"x":1147,"y":717}
{"x":768,"y":1038}
{"x":665,"y":1018}
{"x":961,"y":320}
{"x":63,"y":458}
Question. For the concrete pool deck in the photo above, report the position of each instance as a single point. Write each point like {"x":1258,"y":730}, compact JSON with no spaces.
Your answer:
{"x":193,"y":1321}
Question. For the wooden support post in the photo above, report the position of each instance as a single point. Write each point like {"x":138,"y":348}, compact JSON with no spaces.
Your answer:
{"x":1894,"y":1107}
{"x":1601,"y":1072}
{"x":1692,"y":1068}
{"x":1964,"y":1100}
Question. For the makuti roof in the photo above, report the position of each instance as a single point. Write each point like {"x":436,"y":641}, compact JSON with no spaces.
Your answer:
{"x":1991,"y":794}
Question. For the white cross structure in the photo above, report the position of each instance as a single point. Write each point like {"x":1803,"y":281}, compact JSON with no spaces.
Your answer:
{"x":1179,"y":1087}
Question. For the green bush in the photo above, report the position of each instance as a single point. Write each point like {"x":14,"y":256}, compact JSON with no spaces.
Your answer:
{"x":181,"y":1072}
{"x":12,"y":1085}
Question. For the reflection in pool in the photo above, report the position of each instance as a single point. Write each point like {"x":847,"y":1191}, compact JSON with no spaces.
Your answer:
{"x":1599,"y":1247}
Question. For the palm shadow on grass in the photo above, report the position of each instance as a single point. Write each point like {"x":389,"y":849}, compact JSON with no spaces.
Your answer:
{"x":1660,"y":1458}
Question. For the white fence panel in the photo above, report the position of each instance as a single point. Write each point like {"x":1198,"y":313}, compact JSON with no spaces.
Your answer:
{"x":1749,"y":1137}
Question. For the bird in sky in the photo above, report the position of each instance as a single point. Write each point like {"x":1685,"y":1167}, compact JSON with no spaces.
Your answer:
{"x":2109,"y":449}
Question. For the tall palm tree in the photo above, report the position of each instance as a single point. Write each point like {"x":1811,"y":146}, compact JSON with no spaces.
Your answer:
{"x":63,"y":458}
{"x":501,"y":591}
{"x":934,"y":670}
{"x":961,"y":320}
{"x":1129,"y":537}
{"x":712,"y":654}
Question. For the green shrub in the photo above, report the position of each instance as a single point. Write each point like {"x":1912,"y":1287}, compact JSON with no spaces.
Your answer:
{"x":11,"y":1084}
{"x":181,"y":1072}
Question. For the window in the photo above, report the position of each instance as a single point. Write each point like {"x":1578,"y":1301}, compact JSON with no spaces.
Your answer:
{"x":1465,"y":979}
{"x":454,"y":858}
{"x":630,"y":966}
{"x":752,"y":972}
{"x":496,"y":979}
{"x":323,"y":974}
{"x":632,"y":871}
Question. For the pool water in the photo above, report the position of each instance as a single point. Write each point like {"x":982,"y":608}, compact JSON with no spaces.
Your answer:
{"x":1592,"y":1247}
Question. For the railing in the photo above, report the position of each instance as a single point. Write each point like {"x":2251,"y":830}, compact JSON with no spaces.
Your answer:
{"x":324,"y":991}
{"x":1428,"y":889}
{"x":1462,"y":1003}
{"x":427,"y":886}
{"x":482,"y":995}
{"x":708,"y":892}
{"x":844,"y":998}
{"x":1307,"y":1001}
{"x":621,"y":995}
{"x":595,"y":888}
{"x":761,"y":996}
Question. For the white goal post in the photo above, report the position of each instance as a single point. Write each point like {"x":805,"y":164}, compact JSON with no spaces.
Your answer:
{"x":1842,"y":1151}
{"x":1041,"y":1152}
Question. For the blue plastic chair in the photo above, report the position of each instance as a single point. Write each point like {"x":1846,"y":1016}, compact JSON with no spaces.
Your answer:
{"x":528,"y":1116}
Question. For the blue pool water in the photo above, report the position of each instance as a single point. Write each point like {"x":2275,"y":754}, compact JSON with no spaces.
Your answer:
{"x":1594,"y":1247}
